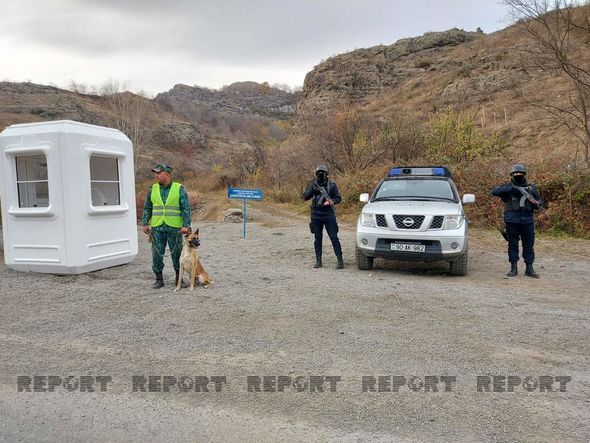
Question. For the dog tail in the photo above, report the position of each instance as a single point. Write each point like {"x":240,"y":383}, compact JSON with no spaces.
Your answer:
{"x":205,"y":283}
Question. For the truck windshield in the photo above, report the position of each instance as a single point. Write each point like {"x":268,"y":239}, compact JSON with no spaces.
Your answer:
{"x":415,"y":189}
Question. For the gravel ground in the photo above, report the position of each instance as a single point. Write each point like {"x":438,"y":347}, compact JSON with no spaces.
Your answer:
{"x":270,"y":313}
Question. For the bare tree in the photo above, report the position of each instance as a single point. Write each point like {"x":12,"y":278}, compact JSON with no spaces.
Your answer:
{"x":128,"y":110}
{"x":249,"y":161}
{"x":81,"y":88}
{"x":352,"y":139}
{"x":558,"y":32}
{"x":402,"y":136}
{"x":347,"y":139}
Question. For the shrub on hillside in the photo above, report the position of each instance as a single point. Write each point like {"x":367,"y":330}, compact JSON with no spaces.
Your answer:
{"x":567,"y":194}
{"x":453,"y":138}
{"x":423,"y":63}
{"x":352,"y":185}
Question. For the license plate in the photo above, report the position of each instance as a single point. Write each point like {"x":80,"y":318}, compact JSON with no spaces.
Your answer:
{"x":407,"y":248}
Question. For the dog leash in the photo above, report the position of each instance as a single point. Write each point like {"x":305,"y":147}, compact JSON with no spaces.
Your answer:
{"x":163,"y":253}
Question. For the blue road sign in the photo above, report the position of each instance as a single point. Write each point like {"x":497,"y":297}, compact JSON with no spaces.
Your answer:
{"x":245,"y":194}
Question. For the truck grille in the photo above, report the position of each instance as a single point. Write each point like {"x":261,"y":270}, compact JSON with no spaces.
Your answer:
{"x":416,"y":221}
{"x":381,"y":220}
{"x":437,"y":222}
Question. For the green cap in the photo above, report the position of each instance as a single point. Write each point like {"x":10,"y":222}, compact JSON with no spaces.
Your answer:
{"x":160,"y":167}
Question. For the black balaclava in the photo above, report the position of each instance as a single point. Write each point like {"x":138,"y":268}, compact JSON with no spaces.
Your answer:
{"x":519,"y":179}
{"x":322,"y":177}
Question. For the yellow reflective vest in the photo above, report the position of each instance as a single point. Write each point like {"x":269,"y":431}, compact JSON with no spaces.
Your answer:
{"x":168,"y":212}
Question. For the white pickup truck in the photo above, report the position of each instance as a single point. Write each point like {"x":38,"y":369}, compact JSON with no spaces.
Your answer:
{"x":415,"y":213}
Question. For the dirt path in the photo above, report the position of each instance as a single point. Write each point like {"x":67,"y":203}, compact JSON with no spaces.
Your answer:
{"x":270,"y":314}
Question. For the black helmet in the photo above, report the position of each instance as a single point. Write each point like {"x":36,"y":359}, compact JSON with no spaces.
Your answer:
{"x":519,"y":167}
{"x":321,"y":168}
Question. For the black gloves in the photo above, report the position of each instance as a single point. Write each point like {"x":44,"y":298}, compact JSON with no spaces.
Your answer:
{"x":314,"y":187}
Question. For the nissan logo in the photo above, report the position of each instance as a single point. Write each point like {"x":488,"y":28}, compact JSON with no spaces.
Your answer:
{"x":408,"y":221}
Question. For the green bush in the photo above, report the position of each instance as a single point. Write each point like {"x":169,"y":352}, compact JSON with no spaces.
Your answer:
{"x":352,"y":185}
{"x":568,"y":196}
{"x":453,"y":138}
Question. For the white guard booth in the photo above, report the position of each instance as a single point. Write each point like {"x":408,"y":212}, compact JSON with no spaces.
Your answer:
{"x":68,"y":197}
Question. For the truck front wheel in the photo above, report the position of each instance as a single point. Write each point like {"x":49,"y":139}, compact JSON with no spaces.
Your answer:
{"x":459,"y":266}
{"x":363,"y":262}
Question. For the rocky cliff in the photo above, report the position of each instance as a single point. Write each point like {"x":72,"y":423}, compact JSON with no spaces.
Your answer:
{"x":487,"y":76}
{"x":238,"y":98}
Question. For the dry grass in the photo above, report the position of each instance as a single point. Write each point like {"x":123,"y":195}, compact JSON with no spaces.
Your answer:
{"x":508,"y":108}
{"x":212,"y":209}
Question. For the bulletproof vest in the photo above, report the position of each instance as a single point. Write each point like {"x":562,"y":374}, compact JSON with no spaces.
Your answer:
{"x":317,"y":202}
{"x":518,"y":202}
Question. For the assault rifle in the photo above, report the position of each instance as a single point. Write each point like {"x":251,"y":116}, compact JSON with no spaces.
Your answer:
{"x":536,"y":204}
{"x":324,"y":194}
{"x":325,"y":197}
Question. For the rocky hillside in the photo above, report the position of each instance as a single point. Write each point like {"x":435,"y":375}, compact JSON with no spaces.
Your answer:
{"x":248,"y":112}
{"x":239,"y":98}
{"x":482,"y":75}
{"x":29,"y":102}
{"x":204,"y":127}
{"x":157,"y":134}
{"x":367,"y":73}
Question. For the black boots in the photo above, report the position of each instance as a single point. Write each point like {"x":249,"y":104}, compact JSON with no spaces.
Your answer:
{"x":530,"y":272}
{"x":513,"y":269}
{"x":318,"y":263}
{"x":159,"y":283}
{"x":183,"y":285}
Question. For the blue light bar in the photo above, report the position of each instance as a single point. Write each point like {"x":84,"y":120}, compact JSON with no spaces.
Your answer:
{"x":440,"y":171}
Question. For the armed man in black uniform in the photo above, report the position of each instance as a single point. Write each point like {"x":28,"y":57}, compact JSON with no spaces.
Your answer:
{"x":521,"y":200}
{"x":324,"y":195}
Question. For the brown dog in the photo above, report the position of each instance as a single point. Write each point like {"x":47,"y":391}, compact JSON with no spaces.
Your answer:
{"x":190,"y":263}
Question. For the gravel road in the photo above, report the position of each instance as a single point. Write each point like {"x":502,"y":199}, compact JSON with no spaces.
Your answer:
{"x":270,"y":314}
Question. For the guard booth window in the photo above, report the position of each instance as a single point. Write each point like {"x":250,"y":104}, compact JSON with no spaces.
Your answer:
{"x":31,"y":181}
{"x":104,"y":181}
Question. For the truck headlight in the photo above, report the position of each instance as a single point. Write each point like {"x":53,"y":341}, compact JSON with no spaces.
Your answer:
{"x":368,"y":220}
{"x":453,"y":221}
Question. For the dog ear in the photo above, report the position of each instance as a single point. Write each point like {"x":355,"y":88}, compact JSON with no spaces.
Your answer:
{"x":197,"y":231}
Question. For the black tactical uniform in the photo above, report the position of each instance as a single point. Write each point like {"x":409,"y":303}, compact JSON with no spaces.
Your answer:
{"x":324,"y":195}
{"x":519,"y":218}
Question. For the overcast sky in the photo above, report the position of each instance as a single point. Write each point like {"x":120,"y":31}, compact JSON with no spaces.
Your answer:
{"x":155,"y":44}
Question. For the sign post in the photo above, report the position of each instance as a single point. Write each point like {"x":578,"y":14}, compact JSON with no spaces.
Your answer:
{"x":245,"y":195}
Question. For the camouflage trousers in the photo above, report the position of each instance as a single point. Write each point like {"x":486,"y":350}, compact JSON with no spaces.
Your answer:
{"x":162,"y":236}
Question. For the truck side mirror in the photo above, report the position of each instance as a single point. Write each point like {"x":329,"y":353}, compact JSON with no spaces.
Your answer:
{"x":468,"y":199}
{"x":364,"y":198}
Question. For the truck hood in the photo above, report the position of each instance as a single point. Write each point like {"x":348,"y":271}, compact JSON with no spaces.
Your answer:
{"x":413,"y":208}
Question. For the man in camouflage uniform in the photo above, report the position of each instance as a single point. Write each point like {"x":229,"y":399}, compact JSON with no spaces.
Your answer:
{"x":166,"y":217}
